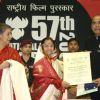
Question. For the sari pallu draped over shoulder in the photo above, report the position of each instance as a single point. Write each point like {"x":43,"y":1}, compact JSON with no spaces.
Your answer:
{"x":45,"y":75}
{"x":6,"y":54}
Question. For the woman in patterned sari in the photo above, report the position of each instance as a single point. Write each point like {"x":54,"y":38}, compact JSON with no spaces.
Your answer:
{"x":48,"y":73}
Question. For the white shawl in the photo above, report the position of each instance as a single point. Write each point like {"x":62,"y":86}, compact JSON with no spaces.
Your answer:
{"x":14,"y":79}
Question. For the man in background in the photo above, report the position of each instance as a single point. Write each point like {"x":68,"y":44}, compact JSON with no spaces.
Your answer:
{"x":26,"y":49}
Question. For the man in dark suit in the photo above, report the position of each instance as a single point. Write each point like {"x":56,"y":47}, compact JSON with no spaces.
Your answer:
{"x":93,"y":45}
